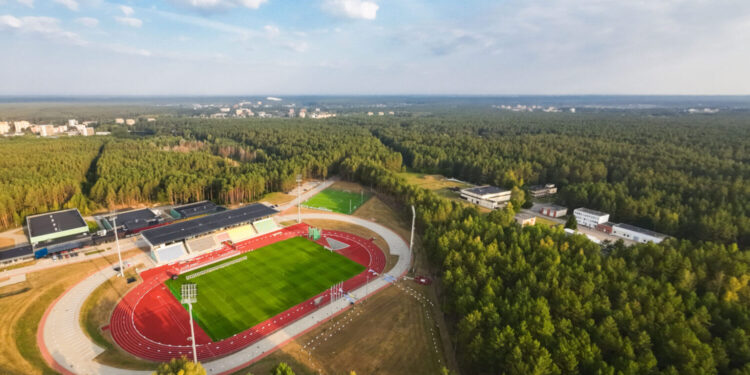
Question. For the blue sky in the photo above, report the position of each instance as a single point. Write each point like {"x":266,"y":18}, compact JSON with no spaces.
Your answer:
{"x":235,"y":47}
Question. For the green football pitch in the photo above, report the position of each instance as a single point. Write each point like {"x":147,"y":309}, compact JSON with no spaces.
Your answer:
{"x":271,"y":280}
{"x":337,"y":200}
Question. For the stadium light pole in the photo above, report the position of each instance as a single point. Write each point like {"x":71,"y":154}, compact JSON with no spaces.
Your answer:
{"x":190,"y":296}
{"x":117,"y":244}
{"x":413,"y":222}
{"x":299,"y":198}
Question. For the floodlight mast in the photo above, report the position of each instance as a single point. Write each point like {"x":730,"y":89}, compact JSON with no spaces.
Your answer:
{"x":299,"y":198}
{"x":413,"y":222}
{"x":117,"y":244}
{"x":190,"y":296}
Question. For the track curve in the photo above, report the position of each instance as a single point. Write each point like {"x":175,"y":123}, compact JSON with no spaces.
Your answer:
{"x":67,"y":348}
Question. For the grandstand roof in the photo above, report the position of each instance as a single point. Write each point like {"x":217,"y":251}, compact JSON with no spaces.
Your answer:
{"x":191,"y":228}
{"x":196,"y":209}
{"x":135,"y":219}
{"x":54,"y":224}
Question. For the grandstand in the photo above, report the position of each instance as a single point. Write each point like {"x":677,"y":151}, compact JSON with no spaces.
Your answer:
{"x":169,"y":253}
{"x":195,"y":233}
{"x":265,"y":226}
{"x":242,"y":233}
{"x":201,"y":244}
{"x":193,"y":210}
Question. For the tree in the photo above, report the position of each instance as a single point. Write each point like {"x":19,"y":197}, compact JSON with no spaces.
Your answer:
{"x":180,"y":366}
{"x":282,"y":369}
{"x":571,"y":223}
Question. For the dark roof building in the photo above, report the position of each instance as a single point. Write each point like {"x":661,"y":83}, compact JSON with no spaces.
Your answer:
{"x":132,"y":220}
{"x":192,"y":228}
{"x":195,"y":209}
{"x":55,"y":225}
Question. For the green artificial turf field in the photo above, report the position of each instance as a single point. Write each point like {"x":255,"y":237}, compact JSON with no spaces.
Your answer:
{"x":337,"y":200}
{"x":271,"y":280}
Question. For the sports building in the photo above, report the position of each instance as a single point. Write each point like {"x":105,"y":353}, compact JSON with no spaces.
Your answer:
{"x":173,"y":242}
{"x":132,"y":221}
{"x":57,"y":231}
{"x":195,"y":209}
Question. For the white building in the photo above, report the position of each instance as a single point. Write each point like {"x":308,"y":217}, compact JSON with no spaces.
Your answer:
{"x":303,"y":113}
{"x":525,"y":219}
{"x":538,"y":191}
{"x":119,"y":121}
{"x":487,"y":196}
{"x":637,"y":234}
{"x":553,"y":210}
{"x":130,"y":122}
{"x":20,"y":126}
{"x":72,"y":122}
{"x":590,"y":218}
{"x":46,"y":130}
{"x":4,"y":127}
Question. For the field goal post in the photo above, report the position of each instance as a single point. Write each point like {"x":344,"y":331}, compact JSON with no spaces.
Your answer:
{"x":313,"y":233}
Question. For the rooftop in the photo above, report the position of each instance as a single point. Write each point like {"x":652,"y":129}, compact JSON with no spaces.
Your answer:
{"x":195,"y":209}
{"x":486,"y":190}
{"x":524,"y":216}
{"x":54,"y":222}
{"x":590,"y":211}
{"x":641,"y":230}
{"x":135,"y":219}
{"x":206,"y":224}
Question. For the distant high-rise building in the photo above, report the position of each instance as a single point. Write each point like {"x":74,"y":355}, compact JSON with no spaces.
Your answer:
{"x":4,"y":127}
{"x":72,"y":122}
{"x":302,"y":113}
{"x":291,"y":112}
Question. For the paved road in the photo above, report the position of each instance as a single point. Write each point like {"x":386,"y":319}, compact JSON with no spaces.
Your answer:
{"x":45,"y":263}
{"x":71,"y":348}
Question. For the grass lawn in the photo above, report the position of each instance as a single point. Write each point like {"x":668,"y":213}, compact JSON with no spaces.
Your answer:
{"x":337,"y":200}
{"x":271,"y":280}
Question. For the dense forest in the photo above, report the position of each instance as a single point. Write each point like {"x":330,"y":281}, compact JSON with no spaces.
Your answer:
{"x":530,"y":300}
{"x":686,"y":176}
{"x":535,"y":300}
{"x":39,"y":175}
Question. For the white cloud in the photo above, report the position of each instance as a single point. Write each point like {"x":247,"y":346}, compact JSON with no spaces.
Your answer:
{"x":126,"y":10}
{"x":70,"y":4}
{"x":129,"y":21}
{"x":271,"y":30}
{"x":357,"y":9}
{"x":28,"y":3}
{"x":127,"y":50}
{"x":46,"y":27}
{"x":87,"y":21}
{"x":220,"y":4}
{"x":296,"y":46}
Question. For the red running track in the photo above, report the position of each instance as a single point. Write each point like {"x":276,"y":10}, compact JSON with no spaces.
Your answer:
{"x":150,"y":322}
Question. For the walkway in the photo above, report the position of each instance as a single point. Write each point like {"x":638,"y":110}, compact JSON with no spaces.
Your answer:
{"x":63,"y":341}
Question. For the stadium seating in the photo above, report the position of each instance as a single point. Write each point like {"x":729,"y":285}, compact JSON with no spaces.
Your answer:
{"x":222,"y":237}
{"x":242,"y":233}
{"x":265,"y":226}
{"x":170,"y":253}
{"x":201,"y":244}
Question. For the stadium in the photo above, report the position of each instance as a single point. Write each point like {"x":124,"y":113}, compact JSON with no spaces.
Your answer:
{"x":252,"y":276}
